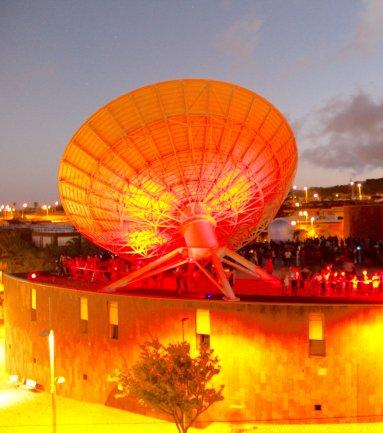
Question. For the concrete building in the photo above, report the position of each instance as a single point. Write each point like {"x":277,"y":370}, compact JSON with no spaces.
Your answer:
{"x":280,"y":361}
{"x":57,"y":234}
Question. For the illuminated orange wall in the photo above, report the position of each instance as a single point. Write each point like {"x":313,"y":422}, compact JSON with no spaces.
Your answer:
{"x":329,"y":229}
{"x":266,"y":369}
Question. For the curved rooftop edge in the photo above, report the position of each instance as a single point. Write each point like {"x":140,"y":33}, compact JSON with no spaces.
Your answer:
{"x":249,"y":290}
{"x":281,"y":362}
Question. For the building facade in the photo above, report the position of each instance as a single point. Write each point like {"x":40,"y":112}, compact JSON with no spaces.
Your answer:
{"x":280,"y":361}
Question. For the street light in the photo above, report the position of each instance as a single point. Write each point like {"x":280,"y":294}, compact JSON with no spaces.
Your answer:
{"x":360,"y":190}
{"x":46,"y":208}
{"x":25,"y":205}
{"x":352,"y":190}
{"x":53,"y":379}
{"x":306,"y":192}
{"x":7,"y":209}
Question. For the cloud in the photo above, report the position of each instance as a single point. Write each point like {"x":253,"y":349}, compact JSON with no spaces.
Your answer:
{"x":346,"y":134}
{"x":241,"y":37}
{"x":369,"y":29}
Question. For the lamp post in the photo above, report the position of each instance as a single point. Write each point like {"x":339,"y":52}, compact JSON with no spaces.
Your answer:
{"x":306,"y":192}
{"x":53,"y":380}
{"x":25,"y":205}
{"x":46,"y":208}
{"x":352,"y":190}
{"x":51,"y":341}
{"x":359,"y":185}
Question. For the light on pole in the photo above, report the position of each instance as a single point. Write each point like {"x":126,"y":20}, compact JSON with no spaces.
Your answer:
{"x":46,"y":208}
{"x":352,"y":190}
{"x":25,"y":205}
{"x":53,"y":380}
{"x":359,"y":185}
{"x":306,"y":192}
{"x":51,"y":341}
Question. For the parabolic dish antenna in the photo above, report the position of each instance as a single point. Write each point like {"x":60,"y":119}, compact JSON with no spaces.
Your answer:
{"x":179,"y":171}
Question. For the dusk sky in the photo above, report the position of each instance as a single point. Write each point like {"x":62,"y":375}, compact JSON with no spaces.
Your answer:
{"x":320,"y":62}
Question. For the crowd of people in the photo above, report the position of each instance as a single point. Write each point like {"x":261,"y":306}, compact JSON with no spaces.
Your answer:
{"x":323,"y":266}
{"x":313,"y":267}
{"x":95,"y":268}
{"x":317,"y":252}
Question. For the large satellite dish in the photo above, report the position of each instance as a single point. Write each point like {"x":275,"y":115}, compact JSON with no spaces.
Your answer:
{"x":180,"y":171}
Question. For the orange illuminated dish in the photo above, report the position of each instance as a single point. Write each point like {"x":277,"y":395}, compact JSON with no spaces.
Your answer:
{"x":143,"y":165}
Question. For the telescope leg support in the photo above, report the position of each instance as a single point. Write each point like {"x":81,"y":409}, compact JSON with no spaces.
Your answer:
{"x":225,"y":285}
{"x":148,"y":270}
{"x":246,"y":264}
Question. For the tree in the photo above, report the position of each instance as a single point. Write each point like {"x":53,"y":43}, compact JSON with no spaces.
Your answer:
{"x":170,"y":380}
{"x":20,"y":255}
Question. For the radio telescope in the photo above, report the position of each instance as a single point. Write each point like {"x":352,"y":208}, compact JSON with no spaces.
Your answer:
{"x":182,"y":171}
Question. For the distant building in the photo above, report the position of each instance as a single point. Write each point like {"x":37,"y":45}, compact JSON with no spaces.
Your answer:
{"x":53,"y":234}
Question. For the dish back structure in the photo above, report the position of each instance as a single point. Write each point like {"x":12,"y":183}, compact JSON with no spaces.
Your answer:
{"x":190,"y":168}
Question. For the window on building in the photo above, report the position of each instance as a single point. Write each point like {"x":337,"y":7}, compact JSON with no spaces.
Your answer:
{"x":113,"y":320}
{"x":84,"y":315}
{"x":317,"y":346}
{"x":33,"y":305}
{"x":203,"y":328}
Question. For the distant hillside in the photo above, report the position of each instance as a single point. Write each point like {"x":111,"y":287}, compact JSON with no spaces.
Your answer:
{"x":369,"y":187}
